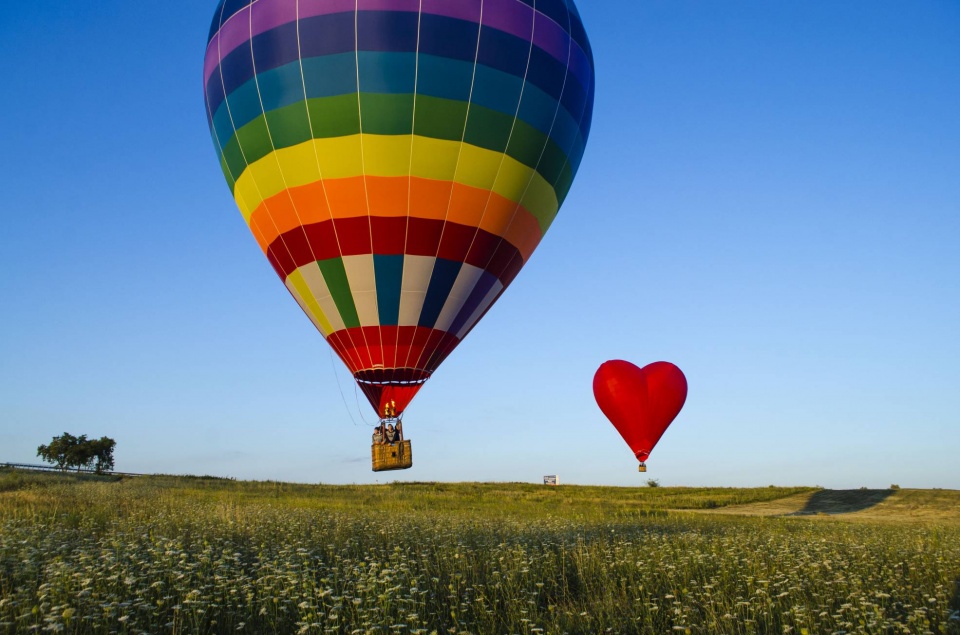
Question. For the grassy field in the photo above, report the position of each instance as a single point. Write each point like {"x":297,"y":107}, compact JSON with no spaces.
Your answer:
{"x":195,"y":555}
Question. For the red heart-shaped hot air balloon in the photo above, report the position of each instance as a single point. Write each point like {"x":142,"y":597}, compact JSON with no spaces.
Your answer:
{"x":640,"y":402}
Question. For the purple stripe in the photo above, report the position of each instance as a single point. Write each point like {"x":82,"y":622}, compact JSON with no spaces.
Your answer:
{"x":211,"y":58}
{"x":552,"y":38}
{"x":310,"y":8}
{"x":483,"y":286}
{"x":234,"y":32}
{"x":389,"y":5}
{"x":270,"y":15}
{"x":509,"y":16}
{"x":467,"y":10}
{"x":513,"y":17}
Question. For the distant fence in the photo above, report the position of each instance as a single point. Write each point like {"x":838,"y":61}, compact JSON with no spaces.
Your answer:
{"x":51,"y":468}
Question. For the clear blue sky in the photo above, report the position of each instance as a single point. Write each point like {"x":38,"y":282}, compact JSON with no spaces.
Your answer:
{"x":770,"y":199}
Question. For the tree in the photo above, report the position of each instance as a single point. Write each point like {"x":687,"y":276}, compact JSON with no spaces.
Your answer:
{"x":59,"y":451}
{"x":66,"y":451}
{"x":102,"y":449}
{"x":79,"y":455}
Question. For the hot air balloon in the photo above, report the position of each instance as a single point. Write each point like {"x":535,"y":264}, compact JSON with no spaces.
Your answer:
{"x":640,"y":402}
{"x":398,"y":161}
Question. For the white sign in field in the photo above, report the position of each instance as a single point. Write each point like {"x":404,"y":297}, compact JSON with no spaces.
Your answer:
{"x":553,"y":479}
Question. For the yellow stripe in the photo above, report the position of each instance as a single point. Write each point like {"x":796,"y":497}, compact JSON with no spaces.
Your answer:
{"x":390,"y":155}
{"x":300,"y":285}
{"x":245,"y":208}
{"x":439,"y":160}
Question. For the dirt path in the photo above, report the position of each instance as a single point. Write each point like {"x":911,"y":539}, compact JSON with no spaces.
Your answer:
{"x":904,"y":505}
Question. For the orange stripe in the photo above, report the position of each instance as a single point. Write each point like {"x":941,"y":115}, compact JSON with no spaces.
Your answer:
{"x":285,"y":211}
{"x":388,"y":195}
{"x":347,"y":196}
{"x":429,"y":199}
{"x":524,"y":233}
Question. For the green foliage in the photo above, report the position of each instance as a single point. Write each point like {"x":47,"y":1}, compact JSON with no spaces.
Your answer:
{"x":652,"y":482}
{"x":61,"y":451}
{"x":66,"y":451}
{"x":102,"y":452}
{"x":192,"y":555}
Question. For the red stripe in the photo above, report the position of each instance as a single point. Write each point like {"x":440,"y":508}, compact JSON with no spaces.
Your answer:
{"x":413,"y":347}
{"x":391,"y":236}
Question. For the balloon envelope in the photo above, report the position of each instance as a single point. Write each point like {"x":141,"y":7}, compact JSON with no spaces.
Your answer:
{"x":398,"y":161}
{"x":640,"y":402}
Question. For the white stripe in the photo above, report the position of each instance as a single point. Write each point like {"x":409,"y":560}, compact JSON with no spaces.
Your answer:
{"x":363,"y":287}
{"x":321,"y":293}
{"x":462,"y":287}
{"x":413,"y":290}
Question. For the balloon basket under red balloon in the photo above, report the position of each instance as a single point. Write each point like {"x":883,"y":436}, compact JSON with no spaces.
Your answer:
{"x":642,"y":467}
{"x":391,"y":456}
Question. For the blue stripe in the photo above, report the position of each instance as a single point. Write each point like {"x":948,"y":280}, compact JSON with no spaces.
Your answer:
{"x":328,"y":76}
{"x":395,"y":32}
{"x":324,"y":77}
{"x":215,"y":23}
{"x":244,"y":107}
{"x":441,"y":282}
{"x":281,"y":87}
{"x":388,"y":30}
{"x":389,"y":274}
{"x":438,"y":77}
{"x":225,"y":9}
{"x":497,"y":90}
{"x":556,"y":10}
{"x":391,"y":73}
{"x":444,"y":77}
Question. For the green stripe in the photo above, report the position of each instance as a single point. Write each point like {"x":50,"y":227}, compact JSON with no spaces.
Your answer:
{"x":288,"y":128}
{"x":226,"y":173}
{"x":386,"y":114}
{"x":330,"y":116}
{"x":251,"y":142}
{"x":335,"y":276}
{"x":392,"y":115}
{"x":488,"y":129}
{"x":441,"y":118}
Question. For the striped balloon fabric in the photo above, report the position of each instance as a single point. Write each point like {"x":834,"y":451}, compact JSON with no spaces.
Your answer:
{"x":398,"y":161}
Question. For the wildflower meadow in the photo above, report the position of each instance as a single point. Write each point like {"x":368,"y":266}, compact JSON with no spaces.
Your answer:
{"x":196,"y":555}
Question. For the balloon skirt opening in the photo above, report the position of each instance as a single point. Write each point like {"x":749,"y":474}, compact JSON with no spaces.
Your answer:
{"x":391,"y":456}
{"x":394,"y":386}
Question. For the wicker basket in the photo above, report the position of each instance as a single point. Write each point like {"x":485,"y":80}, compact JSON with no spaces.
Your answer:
{"x":391,"y":456}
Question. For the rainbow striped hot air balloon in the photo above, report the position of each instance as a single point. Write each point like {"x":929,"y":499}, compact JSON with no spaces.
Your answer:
{"x":398,"y":161}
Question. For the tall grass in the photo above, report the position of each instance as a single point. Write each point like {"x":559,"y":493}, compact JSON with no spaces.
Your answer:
{"x":172,"y":555}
